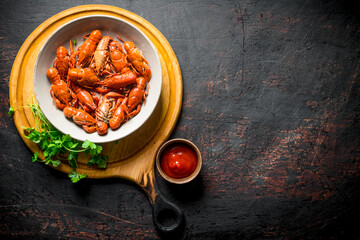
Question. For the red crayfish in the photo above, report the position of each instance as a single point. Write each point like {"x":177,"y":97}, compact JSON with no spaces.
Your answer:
{"x":82,"y":118}
{"x":77,"y":80}
{"x":86,"y":50}
{"x":137,"y":59}
{"x":61,"y":62}
{"x":61,"y":94}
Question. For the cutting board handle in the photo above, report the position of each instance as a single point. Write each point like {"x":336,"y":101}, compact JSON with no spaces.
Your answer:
{"x":163,"y":210}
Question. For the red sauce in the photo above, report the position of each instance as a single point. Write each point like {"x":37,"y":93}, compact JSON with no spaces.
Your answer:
{"x":178,"y":160}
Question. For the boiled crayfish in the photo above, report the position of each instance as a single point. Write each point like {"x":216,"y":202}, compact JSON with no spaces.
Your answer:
{"x":61,"y":62}
{"x":84,"y":77}
{"x":119,"y":80}
{"x":120,"y":114}
{"x":101,"y":60}
{"x":105,"y":110}
{"x":61,"y":94}
{"x":136,"y":95}
{"x":138,"y":60}
{"x":77,"y":81}
{"x":118,"y":56}
{"x":82,"y":118}
{"x":86,"y":50}
{"x":85,"y":98}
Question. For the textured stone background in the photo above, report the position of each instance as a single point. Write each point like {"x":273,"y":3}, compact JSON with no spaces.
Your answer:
{"x":271,"y":97}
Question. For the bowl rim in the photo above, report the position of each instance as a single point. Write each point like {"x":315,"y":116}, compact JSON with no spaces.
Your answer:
{"x":157,"y":59}
{"x":184,"y":180}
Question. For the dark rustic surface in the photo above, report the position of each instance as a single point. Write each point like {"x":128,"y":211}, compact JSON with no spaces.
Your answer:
{"x":271,"y":97}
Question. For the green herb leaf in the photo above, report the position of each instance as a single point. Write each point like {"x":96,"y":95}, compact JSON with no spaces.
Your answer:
{"x":86,"y":144}
{"x":72,"y":157}
{"x":74,"y":41}
{"x":93,"y":145}
{"x":11,"y":111}
{"x":98,"y":160}
{"x":56,"y":145}
{"x":35,"y":157}
{"x":102,"y":161}
{"x":55,"y":163}
{"x":75,"y":177}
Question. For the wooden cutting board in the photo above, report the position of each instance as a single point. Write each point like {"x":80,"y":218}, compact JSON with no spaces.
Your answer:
{"x":133,"y":157}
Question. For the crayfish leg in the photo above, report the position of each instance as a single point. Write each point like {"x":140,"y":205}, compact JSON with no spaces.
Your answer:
{"x":135,"y":112}
{"x":89,"y":129}
{"x":102,"y":90}
{"x":59,"y":104}
{"x":96,"y":98}
{"x":86,"y":109}
{"x":105,"y":72}
{"x":101,"y":128}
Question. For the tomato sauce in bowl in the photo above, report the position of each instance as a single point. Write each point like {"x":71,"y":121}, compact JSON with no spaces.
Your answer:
{"x":178,"y":161}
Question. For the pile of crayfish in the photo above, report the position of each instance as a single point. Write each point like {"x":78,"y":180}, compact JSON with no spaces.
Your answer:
{"x":100,"y":84}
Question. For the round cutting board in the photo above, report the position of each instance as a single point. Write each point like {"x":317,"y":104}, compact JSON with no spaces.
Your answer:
{"x":133,"y":157}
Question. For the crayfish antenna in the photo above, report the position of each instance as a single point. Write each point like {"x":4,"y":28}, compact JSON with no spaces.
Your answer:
{"x":72,"y":46}
{"x":73,"y":54}
{"x":120,"y":38}
{"x":86,"y":36}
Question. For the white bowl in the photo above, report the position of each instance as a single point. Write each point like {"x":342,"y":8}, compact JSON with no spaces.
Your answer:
{"x":75,"y":29}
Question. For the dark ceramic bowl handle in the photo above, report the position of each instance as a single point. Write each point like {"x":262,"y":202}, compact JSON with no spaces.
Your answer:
{"x":163,"y":211}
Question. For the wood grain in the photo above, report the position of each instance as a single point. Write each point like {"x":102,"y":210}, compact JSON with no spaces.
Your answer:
{"x":132,"y":157}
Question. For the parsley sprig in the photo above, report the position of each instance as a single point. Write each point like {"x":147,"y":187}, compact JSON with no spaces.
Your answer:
{"x":57,"y":146}
{"x":75,"y":177}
